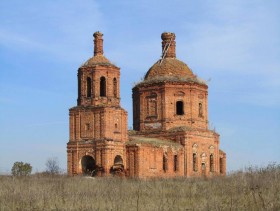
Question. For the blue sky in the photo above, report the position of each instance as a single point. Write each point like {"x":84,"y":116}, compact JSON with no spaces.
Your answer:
{"x":233,"y":44}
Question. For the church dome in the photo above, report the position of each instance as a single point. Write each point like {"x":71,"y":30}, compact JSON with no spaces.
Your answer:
{"x":169,"y":68}
{"x":98,"y":58}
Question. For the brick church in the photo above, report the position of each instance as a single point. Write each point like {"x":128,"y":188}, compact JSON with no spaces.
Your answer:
{"x":170,"y":136}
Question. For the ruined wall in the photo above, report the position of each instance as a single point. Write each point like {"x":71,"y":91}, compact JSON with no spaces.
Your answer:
{"x":146,"y":161}
{"x":102,"y":152}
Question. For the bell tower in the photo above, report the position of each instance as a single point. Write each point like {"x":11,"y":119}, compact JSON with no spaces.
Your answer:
{"x":98,"y":122}
{"x":98,"y":79}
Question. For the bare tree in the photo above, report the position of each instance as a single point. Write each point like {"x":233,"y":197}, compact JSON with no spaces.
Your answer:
{"x":52,"y":166}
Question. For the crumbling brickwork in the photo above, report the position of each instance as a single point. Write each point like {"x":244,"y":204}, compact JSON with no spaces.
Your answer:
{"x":170,"y":121}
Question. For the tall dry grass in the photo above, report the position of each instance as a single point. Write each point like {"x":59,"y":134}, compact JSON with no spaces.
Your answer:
{"x":252,"y":189}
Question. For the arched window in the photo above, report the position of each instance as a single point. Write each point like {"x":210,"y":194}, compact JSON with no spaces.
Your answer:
{"x":115,"y":87}
{"x":194,"y":148}
{"x":221,"y":166}
{"x":88,"y":87}
{"x":179,"y":108}
{"x":200,"y":110}
{"x":102,"y":86}
{"x":211,"y":163}
{"x":175,"y":162}
{"x":79,"y":85}
{"x":164,"y":163}
{"x":194,"y":162}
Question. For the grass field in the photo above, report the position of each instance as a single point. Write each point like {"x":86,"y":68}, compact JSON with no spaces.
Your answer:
{"x":252,"y":189}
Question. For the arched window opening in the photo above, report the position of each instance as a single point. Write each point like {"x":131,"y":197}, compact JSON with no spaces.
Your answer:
{"x":200,"y":110}
{"x":102,"y":86}
{"x":194,"y":162}
{"x":211,"y":163}
{"x":179,"y":108}
{"x":115,"y":83}
{"x":221,"y":166}
{"x":164,"y":163}
{"x":88,"y":87}
{"x":175,"y":162}
{"x":79,"y":86}
{"x":116,"y":126}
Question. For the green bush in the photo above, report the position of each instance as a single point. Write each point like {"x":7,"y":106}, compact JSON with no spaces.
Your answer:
{"x":21,"y":169}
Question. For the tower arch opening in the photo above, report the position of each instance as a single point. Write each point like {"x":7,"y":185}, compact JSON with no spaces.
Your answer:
{"x":118,"y":160}
{"x":118,"y":167}
{"x":102,"y":86}
{"x":88,"y":87}
{"x":88,"y":165}
{"x":164,"y":163}
{"x":115,"y":87}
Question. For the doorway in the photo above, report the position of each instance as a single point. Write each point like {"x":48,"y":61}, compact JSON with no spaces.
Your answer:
{"x":88,"y":165}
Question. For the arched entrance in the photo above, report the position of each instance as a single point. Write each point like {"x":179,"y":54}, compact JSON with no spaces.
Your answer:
{"x":118,"y":160}
{"x":118,"y":167}
{"x":88,"y":165}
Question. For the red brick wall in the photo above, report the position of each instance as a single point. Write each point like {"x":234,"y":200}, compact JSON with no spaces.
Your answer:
{"x":146,"y":161}
{"x":95,"y":73}
{"x":207,"y":143}
{"x":203,"y":144}
{"x":166,"y":95}
{"x":98,"y":123}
